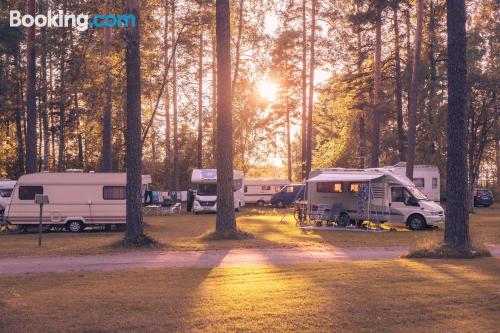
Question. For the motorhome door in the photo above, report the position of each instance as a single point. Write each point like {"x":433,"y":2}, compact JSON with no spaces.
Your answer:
{"x":401,"y":200}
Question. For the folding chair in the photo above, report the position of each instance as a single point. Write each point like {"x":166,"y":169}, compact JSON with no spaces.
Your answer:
{"x":334,"y":215}
{"x":319,"y":215}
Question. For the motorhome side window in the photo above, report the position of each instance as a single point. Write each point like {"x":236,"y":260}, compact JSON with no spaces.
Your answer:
{"x":237,"y":184}
{"x":266,"y":188}
{"x":329,"y":187}
{"x":434,"y":183}
{"x":114,"y":193}
{"x":419,"y":182}
{"x":29,"y":192}
{"x":354,"y":187}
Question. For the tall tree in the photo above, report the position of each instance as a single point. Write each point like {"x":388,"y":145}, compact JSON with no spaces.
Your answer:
{"x":398,"y":87}
{"x":200,"y":91}
{"x":168,"y":150}
{"x":62,"y":96}
{"x":31,"y":152}
{"x":311,"y":90}
{"x":174,"y":103}
{"x":226,"y":220}
{"x":456,"y":232}
{"x":135,"y":228}
{"x":108,"y":87}
{"x":304,"y":94}
{"x":413,"y":96}
{"x":376,"y":116}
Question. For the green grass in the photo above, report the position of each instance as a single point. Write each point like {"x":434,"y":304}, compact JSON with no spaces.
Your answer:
{"x":186,"y":232}
{"x":359,"y":296}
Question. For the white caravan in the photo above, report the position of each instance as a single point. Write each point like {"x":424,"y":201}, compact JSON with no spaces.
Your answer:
{"x":76,"y":200}
{"x":371,"y":194}
{"x":205,"y":181}
{"x":260,"y":191}
{"x":425,"y":177}
{"x":6,"y":188}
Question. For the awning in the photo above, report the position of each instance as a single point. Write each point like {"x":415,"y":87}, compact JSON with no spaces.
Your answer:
{"x":345,"y":177}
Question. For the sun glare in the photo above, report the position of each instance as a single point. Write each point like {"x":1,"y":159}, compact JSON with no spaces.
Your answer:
{"x":267,"y":90}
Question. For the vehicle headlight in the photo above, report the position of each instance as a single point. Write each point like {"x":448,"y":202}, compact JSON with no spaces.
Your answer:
{"x":436,"y":212}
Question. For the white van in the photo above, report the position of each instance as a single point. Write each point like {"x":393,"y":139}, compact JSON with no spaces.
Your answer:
{"x":425,"y":177}
{"x":260,"y":191}
{"x":76,"y":200}
{"x":205,"y":181}
{"x":371,"y":194}
{"x":6,"y":188}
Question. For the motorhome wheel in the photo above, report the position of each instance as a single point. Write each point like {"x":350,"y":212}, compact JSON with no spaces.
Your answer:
{"x":74,"y":226}
{"x":260,"y":203}
{"x":343,"y":220}
{"x":416,"y":222}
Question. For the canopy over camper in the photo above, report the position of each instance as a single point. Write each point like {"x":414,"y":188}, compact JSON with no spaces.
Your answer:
{"x":205,"y":181}
{"x":371,"y":194}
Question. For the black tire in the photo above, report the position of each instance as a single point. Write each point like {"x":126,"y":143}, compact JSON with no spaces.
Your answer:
{"x":487,"y":206}
{"x":280,"y":204}
{"x":416,"y":222}
{"x":107,"y":227}
{"x":260,"y":203}
{"x":74,"y":226}
{"x":343,"y":220}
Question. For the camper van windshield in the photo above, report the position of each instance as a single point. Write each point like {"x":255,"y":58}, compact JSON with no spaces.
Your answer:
{"x":207,"y":189}
{"x":416,"y":193}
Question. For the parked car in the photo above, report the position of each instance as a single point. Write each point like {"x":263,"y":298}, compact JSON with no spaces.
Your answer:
{"x":288,"y":195}
{"x":483,"y":197}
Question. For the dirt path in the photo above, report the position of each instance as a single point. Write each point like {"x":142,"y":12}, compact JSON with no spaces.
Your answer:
{"x":208,"y":258}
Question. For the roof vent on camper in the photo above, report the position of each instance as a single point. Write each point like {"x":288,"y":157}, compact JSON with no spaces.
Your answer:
{"x":74,"y":170}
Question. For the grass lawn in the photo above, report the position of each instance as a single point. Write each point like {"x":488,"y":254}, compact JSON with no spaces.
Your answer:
{"x":361,"y":296}
{"x":185,"y":232}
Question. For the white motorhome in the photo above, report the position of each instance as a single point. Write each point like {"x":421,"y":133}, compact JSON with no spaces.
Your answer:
{"x":76,"y":200}
{"x":379,"y":195}
{"x":205,"y":181}
{"x":425,"y":177}
{"x":6,"y":188}
{"x":260,"y":191}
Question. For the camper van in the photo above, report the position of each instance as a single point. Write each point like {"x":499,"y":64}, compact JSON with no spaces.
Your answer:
{"x":260,"y":191}
{"x":205,"y":182}
{"x":76,"y":200}
{"x":380,"y":195}
{"x":425,"y":177}
{"x":6,"y":188}
{"x":288,"y":195}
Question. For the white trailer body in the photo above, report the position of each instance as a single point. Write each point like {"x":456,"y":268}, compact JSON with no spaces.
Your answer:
{"x":6,"y":188}
{"x":372,"y":194}
{"x":205,"y":181}
{"x":425,"y":177}
{"x":260,"y":191}
{"x":76,"y":199}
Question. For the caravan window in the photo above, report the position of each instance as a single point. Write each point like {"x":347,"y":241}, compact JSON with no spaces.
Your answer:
{"x":114,"y":193}
{"x":419,"y":182}
{"x":434,"y":183}
{"x":329,"y":187}
{"x":266,"y":188}
{"x":354,"y":188}
{"x":29,"y":192}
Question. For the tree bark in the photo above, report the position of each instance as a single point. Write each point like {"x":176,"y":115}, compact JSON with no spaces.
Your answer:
{"x":214,"y":96}
{"x":200,"y":93}
{"x":168,"y":151}
{"x":304,"y":94}
{"x":18,"y":113}
{"x":237,"y":48}
{"x":31,"y":136}
{"x":106,"y":160}
{"x":44,"y":98}
{"x":456,"y":232}
{"x":398,"y":90}
{"x":134,"y":228}
{"x":174,"y":104}
{"x":311,"y":91}
{"x":414,"y":89}
{"x":375,"y":149}
{"x":62,"y":98}
{"x":225,"y":221}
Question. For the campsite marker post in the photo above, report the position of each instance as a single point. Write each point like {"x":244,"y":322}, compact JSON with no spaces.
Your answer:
{"x":41,"y":200}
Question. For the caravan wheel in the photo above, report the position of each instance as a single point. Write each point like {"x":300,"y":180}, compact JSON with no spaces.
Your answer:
{"x":260,"y":203}
{"x":74,"y":226}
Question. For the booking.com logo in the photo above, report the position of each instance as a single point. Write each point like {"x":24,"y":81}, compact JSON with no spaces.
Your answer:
{"x":81,"y":22}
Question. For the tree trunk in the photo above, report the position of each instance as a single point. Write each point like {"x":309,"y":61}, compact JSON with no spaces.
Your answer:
{"x":200,"y":94}
{"x":432,"y":62}
{"x":31,"y":153}
{"x":456,"y":232}
{"x":304,"y":94}
{"x":134,"y":229}
{"x":44,"y":98}
{"x":62,"y":98}
{"x":19,"y":112}
{"x":79,"y":137}
{"x":214,"y":97}
{"x":168,"y":151}
{"x":398,"y":90}
{"x":311,"y":91}
{"x":375,"y":151}
{"x":237,"y":50}
{"x":174,"y":105}
{"x":413,"y":97}
{"x":106,"y":160}
{"x":362,"y":139}
{"x":226,"y":221}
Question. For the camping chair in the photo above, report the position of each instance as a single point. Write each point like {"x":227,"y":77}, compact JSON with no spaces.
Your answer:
{"x":319,"y":215}
{"x":176,"y":208}
{"x":334,"y":214}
